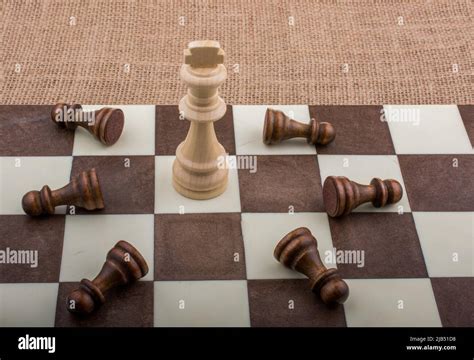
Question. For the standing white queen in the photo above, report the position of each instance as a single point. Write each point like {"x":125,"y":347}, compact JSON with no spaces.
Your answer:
{"x":196,"y":173}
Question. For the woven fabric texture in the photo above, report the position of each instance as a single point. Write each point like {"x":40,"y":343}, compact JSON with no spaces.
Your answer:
{"x":278,"y":52}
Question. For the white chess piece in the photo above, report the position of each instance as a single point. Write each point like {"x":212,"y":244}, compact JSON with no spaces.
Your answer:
{"x":196,"y":170}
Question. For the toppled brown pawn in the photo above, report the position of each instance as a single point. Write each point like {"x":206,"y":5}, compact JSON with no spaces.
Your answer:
{"x":298,"y":250}
{"x":123,"y":265}
{"x":105,"y":124}
{"x":342,"y":195}
{"x":83,"y":191}
{"x":279,"y":127}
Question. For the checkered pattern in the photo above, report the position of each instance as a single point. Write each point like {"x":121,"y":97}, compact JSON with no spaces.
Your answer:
{"x":211,"y":262}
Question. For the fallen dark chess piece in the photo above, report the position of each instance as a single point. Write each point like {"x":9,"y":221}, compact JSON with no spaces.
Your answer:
{"x":124,"y":264}
{"x":342,"y":195}
{"x":105,"y":124}
{"x":279,"y":127}
{"x":298,"y":250}
{"x":83,"y":191}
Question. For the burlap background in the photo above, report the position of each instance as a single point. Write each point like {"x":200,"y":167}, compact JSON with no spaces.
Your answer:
{"x":388,"y":62}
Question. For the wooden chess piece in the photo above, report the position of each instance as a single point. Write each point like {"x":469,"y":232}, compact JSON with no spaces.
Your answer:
{"x":298,"y":250}
{"x":83,"y":191}
{"x":196,"y":170}
{"x":342,"y":195}
{"x":279,"y":127}
{"x":124,"y":264}
{"x":105,"y":124}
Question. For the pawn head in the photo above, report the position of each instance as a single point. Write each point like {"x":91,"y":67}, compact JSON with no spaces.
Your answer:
{"x":37,"y":203}
{"x":31,"y":203}
{"x":326,"y":133}
{"x":322,"y":133}
{"x":334,"y":292}
{"x":85,"y":299}
{"x":331,"y":288}
{"x":80,"y":302}
{"x":395,"y":191}
{"x":387,"y":192}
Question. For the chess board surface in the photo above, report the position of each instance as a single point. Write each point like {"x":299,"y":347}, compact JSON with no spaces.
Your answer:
{"x":211,"y":262}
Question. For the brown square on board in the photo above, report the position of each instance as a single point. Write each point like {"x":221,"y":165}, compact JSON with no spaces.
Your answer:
{"x":126,"y":306}
{"x":171,"y":131}
{"x":454,"y":299}
{"x":27,"y":130}
{"x":389,"y":241}
{"x":281,"y":182}
{"x":467,"y":116}
{"x":42,"y":234}
{"x":126,"y":190}
{"x":434,"y":183}
{"x":199,"y":247}
{"x":270,"y":303}
{"x":359,"y":130}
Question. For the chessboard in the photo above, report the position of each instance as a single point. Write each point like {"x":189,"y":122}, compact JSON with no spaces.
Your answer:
{"x":211,"y":261}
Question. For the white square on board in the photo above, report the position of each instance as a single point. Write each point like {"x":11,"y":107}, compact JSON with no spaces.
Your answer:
{"x":427,"y":129}
{"x":201,"y":303}
{"x":447,"y":241}
{"x":391,"y":302}
{"x":28,"y":304}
